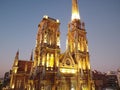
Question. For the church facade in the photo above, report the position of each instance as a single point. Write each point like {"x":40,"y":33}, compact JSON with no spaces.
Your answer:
{"x":50,"y":69}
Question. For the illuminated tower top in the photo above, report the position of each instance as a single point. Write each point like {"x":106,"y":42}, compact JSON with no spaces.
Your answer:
{"x":75,"y":10}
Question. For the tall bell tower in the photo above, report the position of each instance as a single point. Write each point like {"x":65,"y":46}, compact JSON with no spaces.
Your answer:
{"x":46,"y":55}
{"x":47,"y":43}
{"x":77,"y":45}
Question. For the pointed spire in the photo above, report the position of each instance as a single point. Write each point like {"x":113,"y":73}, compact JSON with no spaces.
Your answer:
{"x":16,"y":59}
{"x":17,"y":55}
{"x":31,"y":57}
{"x":75,"y":10}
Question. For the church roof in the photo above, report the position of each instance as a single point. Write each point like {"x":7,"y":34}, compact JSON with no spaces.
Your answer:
{"x":24,"y":66}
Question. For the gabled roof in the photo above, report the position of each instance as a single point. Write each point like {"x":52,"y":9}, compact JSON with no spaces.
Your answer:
{"x":24,"y":66}
{"x":67,"y":58}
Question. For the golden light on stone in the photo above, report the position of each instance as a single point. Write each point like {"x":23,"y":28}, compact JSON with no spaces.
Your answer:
{"x":15,"y":70}
{"x":47,"y":60}
{"x":66,"y":70}
{"x":38,"y":61}
{"x":13,"y":86}
{"x":45,"y":38}
{"x":75,"y":10}
{"x":58,"y":41}
{"x":43,"y":60}
{"x":75,"y":15}
{"x":57,"y":21}
{"x":51,"y":60}
{"x":16,"y":63}
{"x":52,"y":69}
{"x":45,"y":16}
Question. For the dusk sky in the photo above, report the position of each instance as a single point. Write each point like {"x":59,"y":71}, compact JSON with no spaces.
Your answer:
{"x":19,"y":21}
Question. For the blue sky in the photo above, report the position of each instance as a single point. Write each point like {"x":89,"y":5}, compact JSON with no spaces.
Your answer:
{"x":19,"y":20}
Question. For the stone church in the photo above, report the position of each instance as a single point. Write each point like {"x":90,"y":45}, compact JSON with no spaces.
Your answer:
{"x":48,"y":68}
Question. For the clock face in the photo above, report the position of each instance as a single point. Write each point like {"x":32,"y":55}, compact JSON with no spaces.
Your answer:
{"x":67,"y":62}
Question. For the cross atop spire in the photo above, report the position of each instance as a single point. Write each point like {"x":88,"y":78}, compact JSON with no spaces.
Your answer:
{"x":75,"y":10}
